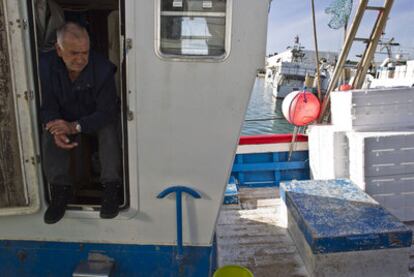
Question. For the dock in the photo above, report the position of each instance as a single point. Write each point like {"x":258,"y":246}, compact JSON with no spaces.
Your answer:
{"x":251,"y":234}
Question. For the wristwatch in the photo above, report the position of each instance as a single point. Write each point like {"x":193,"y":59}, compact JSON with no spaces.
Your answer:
{"x":78,"y":127}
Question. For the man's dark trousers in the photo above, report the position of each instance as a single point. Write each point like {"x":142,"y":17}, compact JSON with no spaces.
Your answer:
{"x":57,"y":161}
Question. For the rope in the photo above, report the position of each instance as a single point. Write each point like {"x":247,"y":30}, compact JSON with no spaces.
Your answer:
{"x":293,"y":142}
{"x":264,"y":119}
{"x":318,"y":79}
{"x":296,"y":129}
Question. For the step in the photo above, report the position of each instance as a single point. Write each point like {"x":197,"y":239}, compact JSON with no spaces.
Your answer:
{"x":375,"y":8}
{"x":262,"y":193}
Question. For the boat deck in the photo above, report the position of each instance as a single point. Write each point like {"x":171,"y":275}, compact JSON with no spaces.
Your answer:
{"x":250,"y":234}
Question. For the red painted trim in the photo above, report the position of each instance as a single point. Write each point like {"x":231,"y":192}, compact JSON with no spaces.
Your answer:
{"x":269,"y":139}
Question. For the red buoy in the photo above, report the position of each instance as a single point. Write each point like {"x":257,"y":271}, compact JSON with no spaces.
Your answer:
{"x":345,"y":87}
{"x":301,"y":108}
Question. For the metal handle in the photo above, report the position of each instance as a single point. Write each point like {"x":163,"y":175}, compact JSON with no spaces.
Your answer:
{"x":179,"y":190}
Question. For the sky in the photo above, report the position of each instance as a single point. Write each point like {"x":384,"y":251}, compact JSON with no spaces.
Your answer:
{"x":288,"y":18}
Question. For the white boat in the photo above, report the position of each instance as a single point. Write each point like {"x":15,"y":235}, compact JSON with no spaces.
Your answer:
{"x":185,"y":85}
{"x":398,"y":72}
{"x":286,"y":71}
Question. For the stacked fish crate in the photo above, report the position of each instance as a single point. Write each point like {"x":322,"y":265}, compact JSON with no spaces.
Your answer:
{"x":370,"y":141}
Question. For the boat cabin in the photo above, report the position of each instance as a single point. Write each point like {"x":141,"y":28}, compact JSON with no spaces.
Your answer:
{"x":185,"y":71}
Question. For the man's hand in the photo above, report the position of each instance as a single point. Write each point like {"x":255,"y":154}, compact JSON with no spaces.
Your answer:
{"x":62,"y":141}
{"x":60,"y":127}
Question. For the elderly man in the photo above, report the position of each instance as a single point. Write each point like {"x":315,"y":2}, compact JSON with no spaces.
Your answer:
{"x":78,"y":96}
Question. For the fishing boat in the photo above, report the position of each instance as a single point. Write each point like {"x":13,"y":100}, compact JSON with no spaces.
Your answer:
{"x":184,"y":83}
{"x":397,"y":72}
{"x":286,"y":71}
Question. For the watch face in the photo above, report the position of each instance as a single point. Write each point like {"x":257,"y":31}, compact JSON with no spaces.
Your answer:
{"x":78,"y":127}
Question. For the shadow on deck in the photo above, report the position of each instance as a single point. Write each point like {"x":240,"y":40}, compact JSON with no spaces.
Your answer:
{"x":250,"y":234}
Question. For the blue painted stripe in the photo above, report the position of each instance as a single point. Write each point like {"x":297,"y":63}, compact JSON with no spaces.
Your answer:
{"x":276,"y":173}
{"x":32,"y":259}
{"x":240,"y":175}
{"x":270,"y":168}
{"x":260,"y":185}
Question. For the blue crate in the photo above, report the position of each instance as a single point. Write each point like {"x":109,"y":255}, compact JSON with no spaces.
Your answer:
{"x":337,"y":216}
{"x":231,"y":195}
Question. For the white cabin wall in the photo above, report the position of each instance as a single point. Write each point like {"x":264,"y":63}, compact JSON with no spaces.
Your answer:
{"x":188,"y":125}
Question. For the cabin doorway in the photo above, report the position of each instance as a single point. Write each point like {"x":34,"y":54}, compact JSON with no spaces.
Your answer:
{"x":104,"y":20}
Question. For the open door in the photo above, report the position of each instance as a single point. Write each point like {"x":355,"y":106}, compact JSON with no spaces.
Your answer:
{"x":19,"y":154}
{"x":103,"y":19}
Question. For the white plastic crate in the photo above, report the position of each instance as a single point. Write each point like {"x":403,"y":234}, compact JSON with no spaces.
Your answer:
{"x":328,"y":152}
{"x":382,"y":164}
{"x":373,"y":110}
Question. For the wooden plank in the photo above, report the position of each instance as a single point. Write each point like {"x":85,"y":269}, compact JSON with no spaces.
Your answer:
{"x":11,"y":185}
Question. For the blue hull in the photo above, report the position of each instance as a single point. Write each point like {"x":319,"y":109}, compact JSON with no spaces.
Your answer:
{"x":49,"y":259}
{"x":269,"y":169}
{"x":33,"y":258}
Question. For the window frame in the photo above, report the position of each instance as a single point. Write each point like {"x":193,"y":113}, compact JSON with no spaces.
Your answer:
{"x":172,"y":57}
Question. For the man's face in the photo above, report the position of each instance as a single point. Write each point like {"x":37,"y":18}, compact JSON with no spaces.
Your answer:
{"x":74,"y":53}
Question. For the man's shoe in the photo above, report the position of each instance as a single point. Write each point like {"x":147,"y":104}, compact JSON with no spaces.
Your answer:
{"x":110,"y":201}
{"x":57,"y":207}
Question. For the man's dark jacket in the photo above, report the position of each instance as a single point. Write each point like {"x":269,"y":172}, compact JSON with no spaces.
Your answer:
{"x":91,"y":99}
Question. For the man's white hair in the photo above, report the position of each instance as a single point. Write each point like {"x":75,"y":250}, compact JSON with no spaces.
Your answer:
{"x":73,"y":29}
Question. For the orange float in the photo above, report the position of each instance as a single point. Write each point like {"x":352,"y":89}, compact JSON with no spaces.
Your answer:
{"x":345,"y":87}
{"x":301,"y":108}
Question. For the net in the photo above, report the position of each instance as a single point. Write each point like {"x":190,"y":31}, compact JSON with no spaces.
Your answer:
{"x":340,"y":10}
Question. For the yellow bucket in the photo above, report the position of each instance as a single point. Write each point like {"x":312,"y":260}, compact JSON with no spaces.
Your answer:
{"x":233,"y":271}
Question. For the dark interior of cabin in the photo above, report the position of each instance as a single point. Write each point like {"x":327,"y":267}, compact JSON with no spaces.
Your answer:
{"x":103,"y":20}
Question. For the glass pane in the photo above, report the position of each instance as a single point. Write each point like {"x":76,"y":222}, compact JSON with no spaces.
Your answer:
{"x":193,"y":36}
{"x":193,"y":27}
{"x":194,"y":5}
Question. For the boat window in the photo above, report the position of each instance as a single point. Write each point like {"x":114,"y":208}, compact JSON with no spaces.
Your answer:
{"x":192,"y":28}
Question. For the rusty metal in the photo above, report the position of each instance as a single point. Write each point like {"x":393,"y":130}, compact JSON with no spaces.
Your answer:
{"x":11,"y":185}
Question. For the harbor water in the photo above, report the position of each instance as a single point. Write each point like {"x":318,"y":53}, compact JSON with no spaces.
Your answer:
{"x":264,"y":114}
